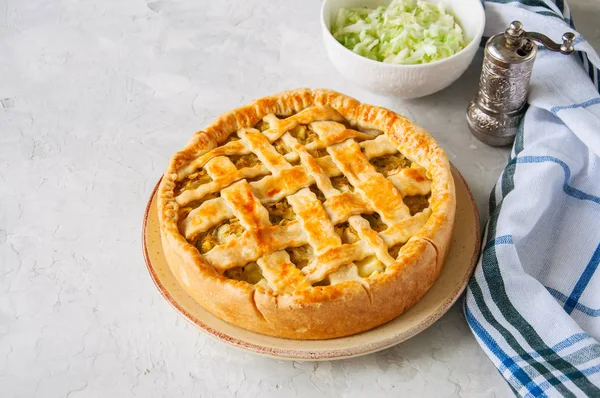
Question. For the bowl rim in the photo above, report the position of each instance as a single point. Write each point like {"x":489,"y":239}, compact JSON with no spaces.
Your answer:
{"x":471,"y":44}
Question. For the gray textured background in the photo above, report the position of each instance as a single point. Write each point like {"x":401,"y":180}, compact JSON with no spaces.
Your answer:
{"x":96,"y":95}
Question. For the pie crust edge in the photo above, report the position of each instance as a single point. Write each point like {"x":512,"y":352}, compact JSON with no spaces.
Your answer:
{"x":328,"y":311}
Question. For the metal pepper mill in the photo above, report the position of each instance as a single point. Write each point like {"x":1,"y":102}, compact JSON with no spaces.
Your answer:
{"x":495,"y":113}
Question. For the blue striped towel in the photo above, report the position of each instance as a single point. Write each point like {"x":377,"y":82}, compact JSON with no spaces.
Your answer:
{"x":534,"y":300}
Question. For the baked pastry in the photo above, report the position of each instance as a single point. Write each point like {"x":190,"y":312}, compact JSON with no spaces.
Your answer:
{"x":307,"y":215}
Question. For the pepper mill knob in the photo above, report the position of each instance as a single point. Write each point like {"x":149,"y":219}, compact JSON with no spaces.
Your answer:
{"x":514,"y":34}
{"x":495,"y":113}
{"x":567,"y":46}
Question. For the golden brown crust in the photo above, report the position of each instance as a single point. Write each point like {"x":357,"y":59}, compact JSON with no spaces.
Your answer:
{"x":318,"y":312}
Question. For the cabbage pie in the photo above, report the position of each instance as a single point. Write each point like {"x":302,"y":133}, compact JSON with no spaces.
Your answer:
{"x":307,"y":215}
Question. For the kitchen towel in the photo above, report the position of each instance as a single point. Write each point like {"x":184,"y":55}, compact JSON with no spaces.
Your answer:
{"x":533,"y":302}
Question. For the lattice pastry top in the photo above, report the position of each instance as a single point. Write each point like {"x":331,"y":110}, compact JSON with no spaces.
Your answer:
{"x":307,"y":215}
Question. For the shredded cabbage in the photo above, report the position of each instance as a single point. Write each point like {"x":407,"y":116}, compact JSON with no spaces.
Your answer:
{"x":405,"y":32}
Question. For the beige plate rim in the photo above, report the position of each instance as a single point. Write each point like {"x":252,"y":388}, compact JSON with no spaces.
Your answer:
{"x":309,"y":352}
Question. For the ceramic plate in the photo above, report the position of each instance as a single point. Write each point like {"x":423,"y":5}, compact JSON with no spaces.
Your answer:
{"x":451,"y":283}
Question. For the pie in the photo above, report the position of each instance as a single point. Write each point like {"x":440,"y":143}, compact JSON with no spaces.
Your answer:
{"x":307,"y":215}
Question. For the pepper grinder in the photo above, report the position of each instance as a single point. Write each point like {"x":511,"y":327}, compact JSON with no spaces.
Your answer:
{"x":495,"y":113}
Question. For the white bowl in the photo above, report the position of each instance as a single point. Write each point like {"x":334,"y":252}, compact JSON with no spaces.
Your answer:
{"x":406,"y":81}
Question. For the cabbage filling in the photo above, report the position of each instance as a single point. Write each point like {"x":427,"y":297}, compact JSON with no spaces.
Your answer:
{"x":262,"y":126}
{"x":416,"y":203}
{"x":244,"y":161}
{"x":394,"y":250}
{"x":347,"y":233}
{"x":301,"y":255}
{"x":375,"y":222}
{"x":250,"y":273}
{"x":303,"y":134}
{"x":390,"y":164}
{"x":281,"y":147}
{"x":369,"y":266}
{"x":315,"y":189}
{"x":318,"y":153}
{"x":219,"y":234}
{"x":192,"y":181}
{"x":324,"y":282}
{"x":342,"y":184}
{"x":280,"y":213}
